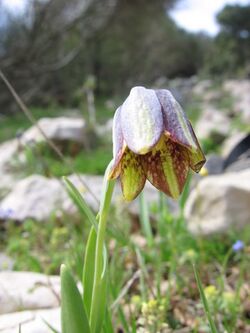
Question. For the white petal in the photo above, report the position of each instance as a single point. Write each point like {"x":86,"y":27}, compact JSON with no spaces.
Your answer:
{"x":141,"y":120}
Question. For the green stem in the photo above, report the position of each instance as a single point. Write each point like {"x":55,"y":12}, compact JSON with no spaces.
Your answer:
{"x":100,"y":266}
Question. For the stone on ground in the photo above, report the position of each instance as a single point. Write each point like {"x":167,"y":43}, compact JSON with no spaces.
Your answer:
{"x":56,"y":129}
{"x":219,"y":203}
{"x":21,"y":291}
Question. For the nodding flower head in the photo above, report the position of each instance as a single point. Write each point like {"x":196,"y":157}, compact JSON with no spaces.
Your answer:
{"x":154,"y":140}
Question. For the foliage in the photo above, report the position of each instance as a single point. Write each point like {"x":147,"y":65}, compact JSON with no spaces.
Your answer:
{"x":40,"y":159}
{"x":120,"y":43}
{"x":231,"y":50}
{"x":43,"y":248}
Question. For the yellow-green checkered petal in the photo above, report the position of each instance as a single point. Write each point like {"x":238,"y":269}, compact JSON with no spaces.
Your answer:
{"x":167,"y":167}
{"x":132,"y":175}
{"x":196,"y":157}
{"x":141,"y":120}
{"x":179,"y":128}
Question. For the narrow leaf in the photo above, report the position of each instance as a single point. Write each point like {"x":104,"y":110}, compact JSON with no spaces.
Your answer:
{"x":89,"y":270}
{"x":102,"y":304}
{"x":204,"y":302}
{"x":73,"y":314}
{"x":99,"y":294}
{"x":79,"y":201}
{"x":108,"y":327}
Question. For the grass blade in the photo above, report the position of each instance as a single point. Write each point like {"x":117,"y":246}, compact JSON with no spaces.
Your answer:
{"x":49,"y":326}
{"x":204,"y":302}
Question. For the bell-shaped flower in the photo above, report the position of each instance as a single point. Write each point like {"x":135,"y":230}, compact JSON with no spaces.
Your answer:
{"x":154,"y":140}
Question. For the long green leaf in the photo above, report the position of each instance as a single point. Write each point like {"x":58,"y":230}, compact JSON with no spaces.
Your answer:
{"x":89,"y":270}
{"x":204,"y":302}
{"x":102,"y":304}
{"x":107,"y":327}
{"x":79,"y":201}
{"x":99,"y":295}
{"x":73,"y":315}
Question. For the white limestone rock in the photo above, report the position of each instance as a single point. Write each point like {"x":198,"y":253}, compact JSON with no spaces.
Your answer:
{"x":31,"y":321}
{"x":219,"y":203}
{"x":56,"y":129}
{"x":21,"y":291}
{"x":34,"y":197}
{"x":212,"y":121}
{"x":240,"y":90}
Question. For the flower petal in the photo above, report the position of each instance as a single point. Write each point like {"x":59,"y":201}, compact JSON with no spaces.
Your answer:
{"x":196,"y":157}
{"x":132,"y":175}
{"x":179,"y":128}
{"x":118,"y":145}
{"x":141,"y":119}
{"x":167,"y":167}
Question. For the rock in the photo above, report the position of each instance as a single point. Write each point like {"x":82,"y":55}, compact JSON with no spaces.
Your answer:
{"x":219,"y":203}
{"x":34,"y":197}
{"x":21,"y":291}
{"x":240,"y":90}
{"x":239,"y":157}
{"x":212,"y":122}
{"x":31,"y":321}
{"x":202,"y":87}
{"x":105,"y":130}
{"x":231,"y":142}
{"x":214,"y":164}
{"x":239,"y":165}
{"x":56,"y":129}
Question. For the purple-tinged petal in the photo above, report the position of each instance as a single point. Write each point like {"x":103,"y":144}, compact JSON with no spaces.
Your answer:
{"x":178,"y":127}
{"x":167,"y":166}
{"x":132,"y":175}
{"x":141,"y":120}
{"x":118,"y":145}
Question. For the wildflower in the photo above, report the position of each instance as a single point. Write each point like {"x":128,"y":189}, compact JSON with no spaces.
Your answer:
{"x":204,"y":171}
{"x":136,"y":300}
{"x":210,"y":292}
{"x":153,"y":139}
{"x":229,"y":297}
{"x":238,"y":246}
{"x":6,"y":214}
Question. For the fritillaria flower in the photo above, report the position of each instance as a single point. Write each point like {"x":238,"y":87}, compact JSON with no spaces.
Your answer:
{"x":154,"y":140}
